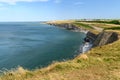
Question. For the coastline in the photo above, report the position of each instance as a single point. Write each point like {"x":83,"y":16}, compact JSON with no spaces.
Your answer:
{"x":101,"y":60}
{"x":95,"y":39}
{"x":68,"y":26}
{"x":83,"y":48}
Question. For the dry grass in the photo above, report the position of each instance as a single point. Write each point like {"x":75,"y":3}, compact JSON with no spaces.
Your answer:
{"x":100,"y":63}
{"x":101,"y":25}
{"x":61,"y":21}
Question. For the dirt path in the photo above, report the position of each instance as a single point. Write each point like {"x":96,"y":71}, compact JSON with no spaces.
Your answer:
{"x":97,"y":28}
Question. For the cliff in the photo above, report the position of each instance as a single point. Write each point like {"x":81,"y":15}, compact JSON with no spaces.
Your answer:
{"x":99,"y":63}
{"x":69,"y":26}
{"x":104,"y":38}
{"x":91,"y":36}
{"x":100,"y":39}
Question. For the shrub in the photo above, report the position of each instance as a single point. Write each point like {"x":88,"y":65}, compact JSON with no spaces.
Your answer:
{"x":114,"y":22}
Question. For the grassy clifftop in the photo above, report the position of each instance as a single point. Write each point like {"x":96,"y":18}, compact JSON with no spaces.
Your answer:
{"x":100,"y":63}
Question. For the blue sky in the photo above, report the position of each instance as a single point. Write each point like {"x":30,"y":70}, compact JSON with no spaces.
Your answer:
{"x":42,"y":10}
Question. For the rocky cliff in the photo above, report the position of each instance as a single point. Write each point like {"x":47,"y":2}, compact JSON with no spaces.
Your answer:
{"x":66,"y":26}
{"x":91,"y":36}
{"x":102,"y":38}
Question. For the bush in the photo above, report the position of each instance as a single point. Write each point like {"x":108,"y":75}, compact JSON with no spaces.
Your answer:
{"x":114,"y":22}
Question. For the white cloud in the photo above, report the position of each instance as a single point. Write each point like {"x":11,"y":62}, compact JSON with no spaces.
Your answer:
{"x":15,"y":1}
{"x":57,"y":1}
{"x":78,"y":3}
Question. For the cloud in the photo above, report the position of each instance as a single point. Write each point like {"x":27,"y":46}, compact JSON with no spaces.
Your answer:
{"x":78,"y":3}
{"x":15,"y":1}
{"x":1,"y":4}
{"x":57,"y":1}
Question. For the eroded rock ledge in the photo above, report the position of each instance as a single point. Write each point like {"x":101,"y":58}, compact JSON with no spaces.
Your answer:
{"x":104,"y":38}
{"x":68,"y":26}
{"x":101,"y":39}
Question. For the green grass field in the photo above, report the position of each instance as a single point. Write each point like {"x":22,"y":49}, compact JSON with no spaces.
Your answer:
{"x":83,"y":25}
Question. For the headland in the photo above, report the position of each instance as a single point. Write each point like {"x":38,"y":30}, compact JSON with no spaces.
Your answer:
{"x":102,"y":62}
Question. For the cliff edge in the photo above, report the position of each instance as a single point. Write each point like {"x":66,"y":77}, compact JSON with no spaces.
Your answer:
{"x":100,"y":39}
{"x":99,"y":63}
{"x":104,"y":38}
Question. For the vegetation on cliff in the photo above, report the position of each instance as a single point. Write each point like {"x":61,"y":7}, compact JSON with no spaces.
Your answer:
{"x":100,"y":63}
{"x":83,"y":25}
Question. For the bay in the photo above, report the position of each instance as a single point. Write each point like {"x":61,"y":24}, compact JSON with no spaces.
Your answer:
{"x":33,"y":44}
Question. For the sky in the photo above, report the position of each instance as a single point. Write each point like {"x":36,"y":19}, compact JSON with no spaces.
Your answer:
{"x":45,"y":10}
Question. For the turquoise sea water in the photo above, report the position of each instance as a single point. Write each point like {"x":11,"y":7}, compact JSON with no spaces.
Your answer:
{"x":33,"y":45}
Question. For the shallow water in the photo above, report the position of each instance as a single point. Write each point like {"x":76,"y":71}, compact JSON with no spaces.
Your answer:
{"x":32,"y":44}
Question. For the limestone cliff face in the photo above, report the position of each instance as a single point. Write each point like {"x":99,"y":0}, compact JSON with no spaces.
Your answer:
{"x":104,"y":38}
{"x":66,"y":26}
{"x":69,"y":26}
{"x":91,"y":36}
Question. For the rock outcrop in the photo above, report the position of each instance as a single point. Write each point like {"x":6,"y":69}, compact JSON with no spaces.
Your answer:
{"x":67,"y":26}
{"x":104,"y":38}
{"x":101,"y":39}
{"x":91,"y":36}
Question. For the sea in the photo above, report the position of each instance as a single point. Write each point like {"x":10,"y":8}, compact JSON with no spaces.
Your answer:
{"x":35,"y":44}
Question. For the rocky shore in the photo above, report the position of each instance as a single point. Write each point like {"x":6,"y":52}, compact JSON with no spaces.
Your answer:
{"x":100,"y":39}
{"x":69,"y":26}
{"x":100,"y":63}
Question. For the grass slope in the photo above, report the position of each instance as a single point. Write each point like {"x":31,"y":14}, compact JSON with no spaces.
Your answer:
{"x":100,"y":63}
{"x":83,"y":25}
